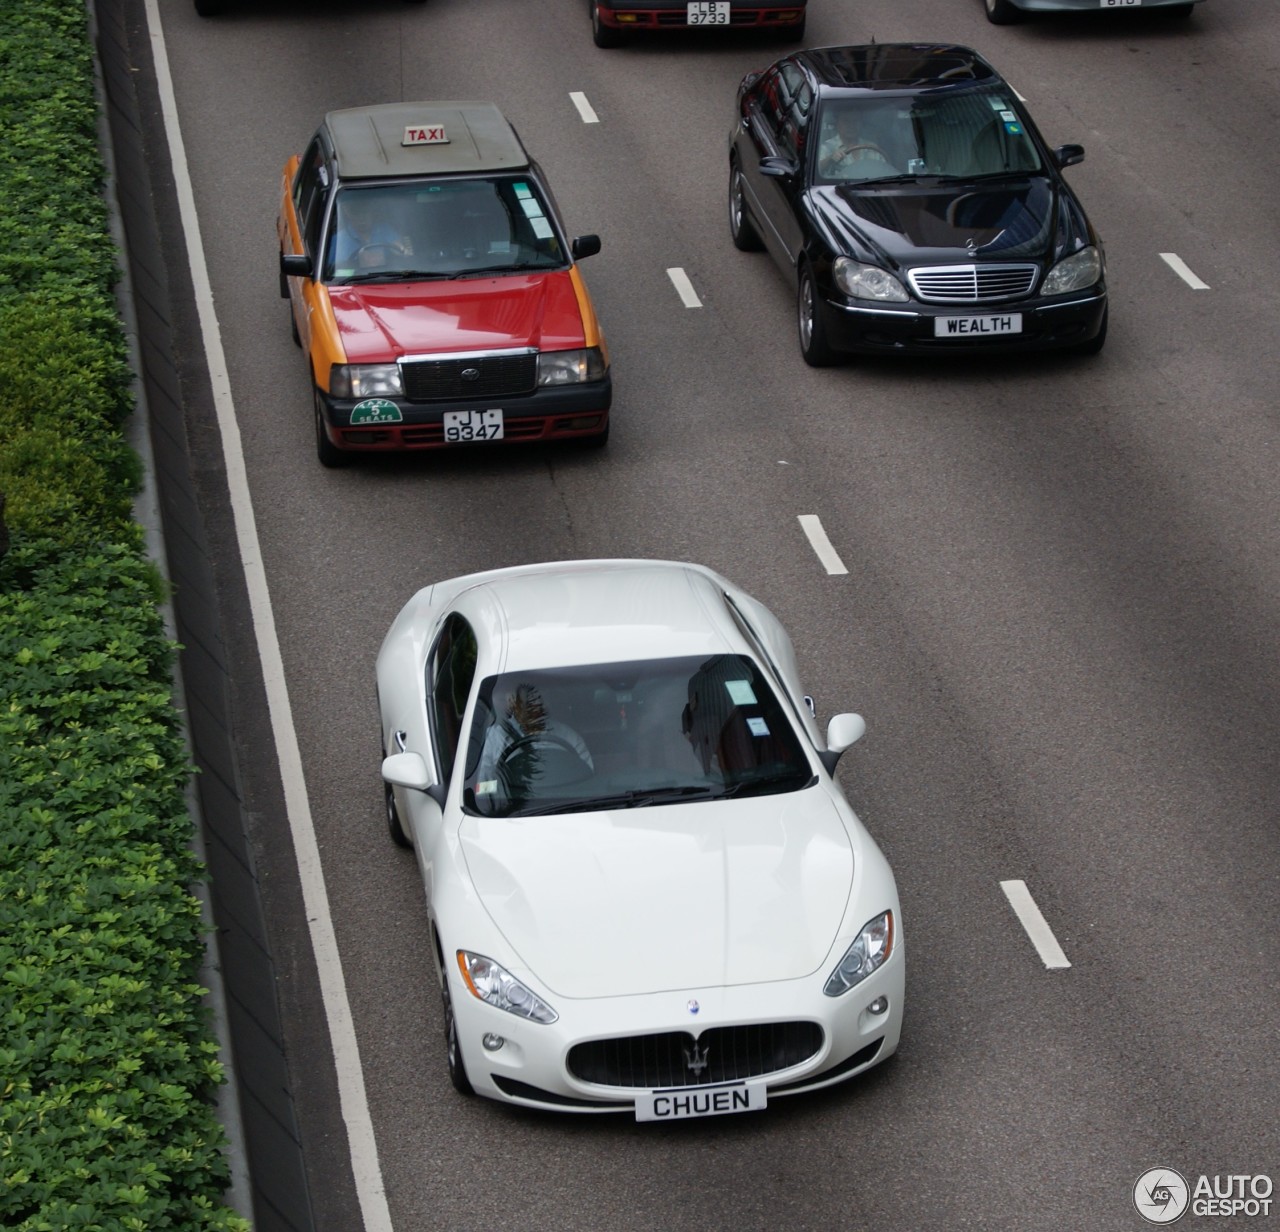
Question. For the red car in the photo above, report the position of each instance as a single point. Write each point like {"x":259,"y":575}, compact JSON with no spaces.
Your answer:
{"x":434,"y":287}
{"x":612,"y":22}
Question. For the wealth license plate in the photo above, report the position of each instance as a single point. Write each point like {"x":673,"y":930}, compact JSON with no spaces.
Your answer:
{"x":708,"y":12}
{"x":463,"y":426}
{"x":977,"y":327}
{"x":684,"y":1102}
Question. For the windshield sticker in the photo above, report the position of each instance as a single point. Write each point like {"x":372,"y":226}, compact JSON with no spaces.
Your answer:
{"x":1008,"y":117}
{"x":486,"y":787}
{"x":375,"y":411}
{"x":1015,"y":129}
{"x":522,"y":191}
{"x":532,"y":208}
{"x":541,"y":228}
{"x":740,"y":692}
{"x":757,"y":727}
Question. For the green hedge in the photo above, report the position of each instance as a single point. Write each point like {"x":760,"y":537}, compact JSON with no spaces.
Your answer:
{"x":108,"y":1066}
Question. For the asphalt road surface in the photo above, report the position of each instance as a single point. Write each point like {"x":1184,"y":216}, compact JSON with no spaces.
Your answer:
{"x":1059,"y":617}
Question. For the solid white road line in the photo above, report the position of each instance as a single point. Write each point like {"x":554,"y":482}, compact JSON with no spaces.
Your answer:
{"x":1179,"y":267}
{"x":811,"y":524}
{"x":684,"y":288}
{"x":585,"y":110}
{"x":1038,"y":930}
{"x":337,"y":1007}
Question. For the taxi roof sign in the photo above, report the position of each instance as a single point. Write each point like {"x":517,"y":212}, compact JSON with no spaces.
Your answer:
{"x":424,"y":134}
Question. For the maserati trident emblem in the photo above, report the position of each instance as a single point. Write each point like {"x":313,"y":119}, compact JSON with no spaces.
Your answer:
{"x":695,"y":1058}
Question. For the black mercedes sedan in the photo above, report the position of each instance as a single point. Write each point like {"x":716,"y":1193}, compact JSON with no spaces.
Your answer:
{"x":906,"y":192}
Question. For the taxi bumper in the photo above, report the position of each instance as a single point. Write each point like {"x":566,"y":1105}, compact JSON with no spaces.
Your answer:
{"x":554,"y":413}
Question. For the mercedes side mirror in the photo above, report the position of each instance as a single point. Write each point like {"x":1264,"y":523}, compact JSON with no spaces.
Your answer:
{"x":1069,"y":155}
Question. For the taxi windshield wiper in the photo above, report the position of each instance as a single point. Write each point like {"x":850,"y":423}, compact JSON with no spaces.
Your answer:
{"x":638,"y":797}
{"x":395,"y":276}
{"x":498,"y":269}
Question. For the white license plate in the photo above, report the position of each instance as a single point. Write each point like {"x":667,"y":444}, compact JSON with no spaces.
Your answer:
{"x":708,"y":12}
{"x":977,"y":327}
{"x":1119,"y":4}
{"x":685,"y":1102}
{"x":463,"y":426}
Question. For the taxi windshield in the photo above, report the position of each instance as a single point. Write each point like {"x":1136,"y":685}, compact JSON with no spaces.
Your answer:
{"x":629,"y":735}
{"x":440,"y":229}
{"x":959,"y":135}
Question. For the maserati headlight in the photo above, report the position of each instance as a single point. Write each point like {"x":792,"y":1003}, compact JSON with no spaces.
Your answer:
{"x":870,"y":949}
{"x":1073,"y":273}
{"x":365,"y":380}
{"x":570,"y":367}
{"x":867,"y":281}
{"x":498,"y":987}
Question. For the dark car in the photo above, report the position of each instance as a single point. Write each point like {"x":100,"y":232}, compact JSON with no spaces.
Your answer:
{"x":1005,"y":12}
{"x":613,"y":20}
{"x":910,"y":198}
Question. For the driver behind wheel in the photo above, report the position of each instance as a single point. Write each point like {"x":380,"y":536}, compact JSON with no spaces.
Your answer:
{"x":853,"y":145}
{"x":520,"y":739}
{"x":363,"y":240}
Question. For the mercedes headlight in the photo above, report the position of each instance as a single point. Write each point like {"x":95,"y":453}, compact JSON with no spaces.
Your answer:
{"x":869,"y":951}
{"x":570,"y":367}
{"x":498,"y":987}
{"x":365,"y":381}
{"x":867,"y":281}
{"x":1074,"y":273}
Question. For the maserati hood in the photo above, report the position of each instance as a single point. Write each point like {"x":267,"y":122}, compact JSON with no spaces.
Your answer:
{"x":382,"y":322}
{"x":676,"y":897}
{"x":1019,"y":218}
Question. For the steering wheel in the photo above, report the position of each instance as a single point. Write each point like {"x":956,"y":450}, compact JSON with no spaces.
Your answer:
{"x":847,"y":150}
{"x":536,"y":738}
{"x":388,"y":250}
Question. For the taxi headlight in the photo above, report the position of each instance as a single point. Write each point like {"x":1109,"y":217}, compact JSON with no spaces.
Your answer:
{"x":1081,"y":269}
{"x":867,"y":281}
{"x":498,"y":987}
{"x":870,"y":950}
{"x":365,"y":380}
{"x":570,"y":367}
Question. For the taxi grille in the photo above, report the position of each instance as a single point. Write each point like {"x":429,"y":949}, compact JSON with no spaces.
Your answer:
{"x":972,"y":284}
{"x":723,"y":1054}
{"x":486,"y":376}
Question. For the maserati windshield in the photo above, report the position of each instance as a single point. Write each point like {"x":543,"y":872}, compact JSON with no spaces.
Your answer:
{"x":629,"y":735}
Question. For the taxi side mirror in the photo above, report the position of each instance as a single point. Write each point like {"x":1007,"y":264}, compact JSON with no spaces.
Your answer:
{"x":585,"y":246}
{"x":1069,"y":155}
{"x":295,"y":265}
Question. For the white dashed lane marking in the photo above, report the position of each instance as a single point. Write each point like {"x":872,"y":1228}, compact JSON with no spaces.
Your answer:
{"x":811,"y":524}
{"x":684,"y":288}
{"x":1179,"y":267}
{"x":585,"y":110}
{"x":1038,"y":930}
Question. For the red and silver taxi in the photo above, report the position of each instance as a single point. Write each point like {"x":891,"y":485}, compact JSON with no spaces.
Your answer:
{"x":434,"y":287}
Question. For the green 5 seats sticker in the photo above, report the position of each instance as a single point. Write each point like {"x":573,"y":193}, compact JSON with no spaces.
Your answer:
{"x":375,"y":411}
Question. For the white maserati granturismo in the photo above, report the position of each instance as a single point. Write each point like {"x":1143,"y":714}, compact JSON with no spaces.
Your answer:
{"x":647,"y":893}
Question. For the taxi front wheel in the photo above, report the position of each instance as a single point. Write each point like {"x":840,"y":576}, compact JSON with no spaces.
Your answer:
{"x":603,"y":36}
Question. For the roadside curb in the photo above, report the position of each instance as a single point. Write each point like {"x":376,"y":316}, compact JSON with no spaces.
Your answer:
{"x":268,"y":1176}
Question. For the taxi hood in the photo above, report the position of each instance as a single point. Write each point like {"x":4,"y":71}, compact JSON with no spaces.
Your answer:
{"x":382,"y":322}
{"x":684,"y":896}
{"x":995,"y":219}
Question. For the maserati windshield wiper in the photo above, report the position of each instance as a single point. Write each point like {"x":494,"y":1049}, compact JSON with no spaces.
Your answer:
{"x":639,"y":797}
{"x":769,"y":783}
